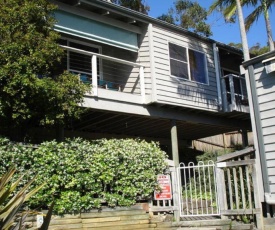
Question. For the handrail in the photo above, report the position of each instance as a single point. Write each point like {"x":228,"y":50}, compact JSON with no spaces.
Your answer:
{"x":233,"y":75}
{"x":102,"y":56}
{"x":94,"y":56}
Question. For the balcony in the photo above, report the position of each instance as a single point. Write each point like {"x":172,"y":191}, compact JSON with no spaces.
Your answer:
{"x":234,"y":94}
{"x":111,"y":78}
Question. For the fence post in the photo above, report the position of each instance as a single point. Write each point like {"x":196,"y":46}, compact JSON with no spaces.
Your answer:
{"x":221,"y":192}
{"x":259,"y":216}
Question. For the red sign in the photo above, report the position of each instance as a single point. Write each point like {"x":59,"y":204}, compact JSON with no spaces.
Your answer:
{"x":165,"y":186}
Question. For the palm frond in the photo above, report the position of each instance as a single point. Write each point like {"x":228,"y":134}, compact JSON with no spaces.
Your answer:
{"x":251,"y":18}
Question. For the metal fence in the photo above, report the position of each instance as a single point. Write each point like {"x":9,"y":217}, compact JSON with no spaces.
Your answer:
{"x":197,"y":184}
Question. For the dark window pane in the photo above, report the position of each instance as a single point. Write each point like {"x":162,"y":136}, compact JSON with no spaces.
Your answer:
{"x":179,"y":69}
{"x":84,"y":47}
{"x":197,"y":66}
{"x":177,"y":52}
{"x":81,"y":62}
{"x":237,"y":85}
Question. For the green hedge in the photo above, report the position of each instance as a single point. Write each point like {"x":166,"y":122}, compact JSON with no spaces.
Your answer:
{"x":83,"y":175}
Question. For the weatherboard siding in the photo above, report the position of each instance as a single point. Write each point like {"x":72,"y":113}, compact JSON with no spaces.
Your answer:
{"x":144,"y":59}
{"x":175,"y":91}
{"x":265,"y":86}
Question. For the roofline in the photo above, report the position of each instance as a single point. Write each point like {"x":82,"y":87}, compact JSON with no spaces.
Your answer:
{"x":258,"y":59}
{"x":148,"y":19}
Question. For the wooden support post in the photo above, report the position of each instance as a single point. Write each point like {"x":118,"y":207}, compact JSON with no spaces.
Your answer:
{"x":174,"y":140}
{"x":221,"y":191}
{"x":244,"y":138}
{"x":175,"y":155}
{"x":259,"y":216}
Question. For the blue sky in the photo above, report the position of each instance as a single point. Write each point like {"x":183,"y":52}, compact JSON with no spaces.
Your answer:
{"x":222,"y":32}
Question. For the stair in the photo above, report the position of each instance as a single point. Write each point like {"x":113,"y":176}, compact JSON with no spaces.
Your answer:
{"x":202,"y":223}
{"x":108,"y":219}
{"x":269,"y":223}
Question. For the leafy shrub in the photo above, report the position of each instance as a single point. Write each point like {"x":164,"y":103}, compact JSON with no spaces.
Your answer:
{"x":88,"y":174}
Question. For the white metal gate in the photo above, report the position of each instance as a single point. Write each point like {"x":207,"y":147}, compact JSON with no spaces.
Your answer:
{"x":198,"y":189}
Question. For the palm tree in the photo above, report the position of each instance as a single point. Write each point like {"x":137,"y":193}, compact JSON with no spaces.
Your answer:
{"x":224,"y":5}
{"x":262,"y":8}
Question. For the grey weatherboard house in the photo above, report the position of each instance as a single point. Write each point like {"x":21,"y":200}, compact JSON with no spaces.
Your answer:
{"x":260,"y":77}
{"x":151,"y":79}
{"x":149,"y":76}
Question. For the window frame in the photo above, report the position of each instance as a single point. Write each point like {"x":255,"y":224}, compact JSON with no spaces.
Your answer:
{"x":188,"y":64}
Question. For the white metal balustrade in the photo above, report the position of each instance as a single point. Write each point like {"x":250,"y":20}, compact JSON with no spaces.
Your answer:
{"x":197,"y":185}
{"x":234,"y":93}
{"x":125,"y":76}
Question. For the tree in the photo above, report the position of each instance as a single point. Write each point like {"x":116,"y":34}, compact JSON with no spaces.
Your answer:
{"x":224,"y":5}
{"x":32,"y":92}
{"x":262,"y":7}
{"x":255,"y":50}
{"x":258,"y":50}
{"x":189,"y":15}
{"x":236,"y":45}
{"x":137,"y":5}
{"x":167,"y":18}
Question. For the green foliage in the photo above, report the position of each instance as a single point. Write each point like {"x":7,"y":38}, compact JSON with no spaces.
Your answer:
{"x":258,"y":50}
{"x":137,"y":5}
{"x":31,"y":90}
{"x":189,"y":15}
{"x":167,"y":18}
{"x":10,"y":202}
{"x":83,"y":175}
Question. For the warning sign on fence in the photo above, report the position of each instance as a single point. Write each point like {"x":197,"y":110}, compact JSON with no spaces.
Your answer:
{"x":164,"y":182}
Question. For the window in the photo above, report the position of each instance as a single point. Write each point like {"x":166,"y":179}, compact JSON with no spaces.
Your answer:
{"x":187,"y":64}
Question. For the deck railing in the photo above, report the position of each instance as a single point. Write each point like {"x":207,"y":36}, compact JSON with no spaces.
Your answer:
{"x":108,"y":72}
{"x":234,"y":92}
{"x":237,"y":186}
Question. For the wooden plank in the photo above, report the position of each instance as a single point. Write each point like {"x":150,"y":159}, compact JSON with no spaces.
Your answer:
{"x":236,"y":154}
{"x":119,"y":218}
{"x":248,"y":185}
{"x":236,"y":188}
{"x":270,"y":148}
{"x":122,"y":227}
{"x":230,"y":188}
{"x":241,"y":212}
{"x":111,"y":213}
{"x":269,"y":139}
{"x":235,"y":163}
{"x":258,"y":205}
{"x":270,"y":163}
{"x":100,"y":220}
{"x":267,"y":105}
{"x":66,"y":216}
{"x":65,"y":221}
{"x":115,"y":224}
{"x":268,"y":121}
{"x":69,"y":226}
{"x":242,"y":187}
{"x":221,"y":191}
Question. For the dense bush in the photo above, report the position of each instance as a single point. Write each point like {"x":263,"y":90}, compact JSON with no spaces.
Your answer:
{"x":87,"y":174}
